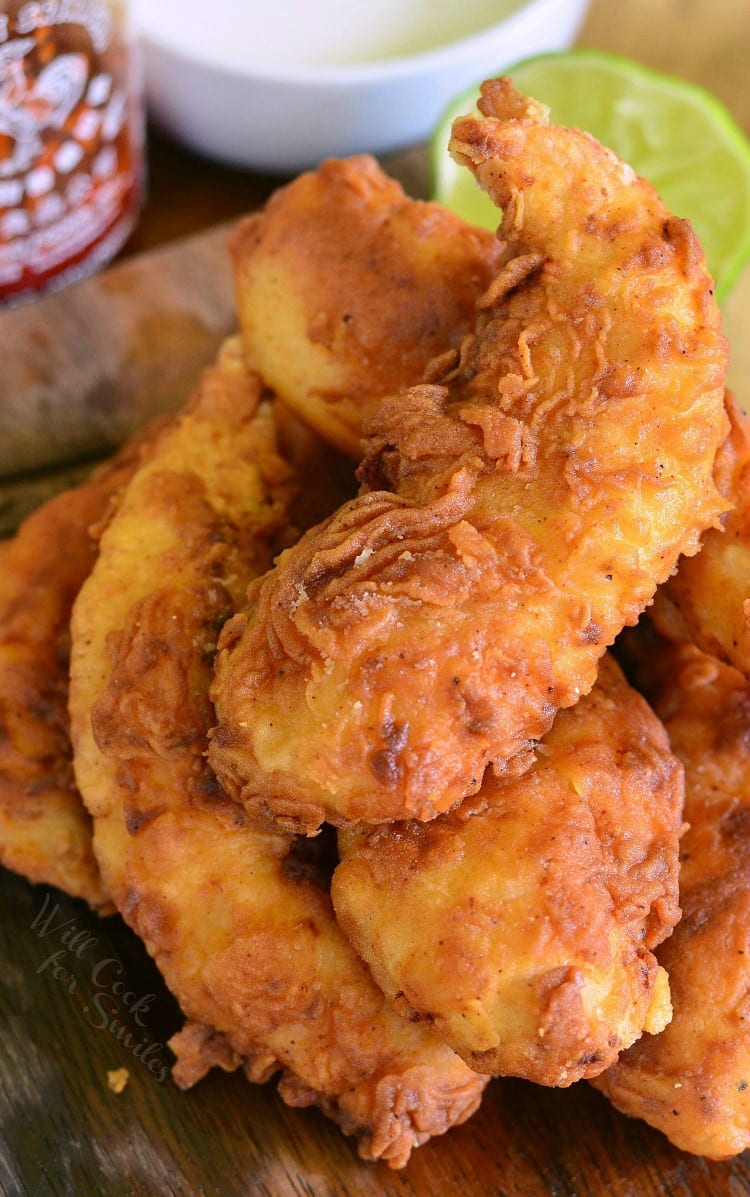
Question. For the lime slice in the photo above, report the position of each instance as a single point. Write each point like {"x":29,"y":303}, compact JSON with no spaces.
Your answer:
{"x":674,"y":133}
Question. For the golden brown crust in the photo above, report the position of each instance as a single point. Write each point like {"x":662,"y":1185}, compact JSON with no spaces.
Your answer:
{"x":347,"y":288}
{"x":521,"y":929}
{"x":45,"y":832}
{"x":520,"y":503}
{"x":532,"y":498}
{"x":692,"y":1080}
{"x":708,"y":599}
{"x":246,"y":941}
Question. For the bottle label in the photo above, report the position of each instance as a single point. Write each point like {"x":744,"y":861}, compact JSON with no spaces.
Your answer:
{"x":69,"y":141}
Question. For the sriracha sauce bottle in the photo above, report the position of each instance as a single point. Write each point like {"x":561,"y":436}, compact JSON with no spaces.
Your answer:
{"x":71,"y":141}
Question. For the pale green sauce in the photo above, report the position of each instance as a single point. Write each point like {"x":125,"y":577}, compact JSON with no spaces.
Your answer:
{"x":238,"y":33}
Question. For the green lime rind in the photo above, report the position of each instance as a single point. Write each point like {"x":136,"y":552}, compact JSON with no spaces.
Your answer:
{"x":673,"y":132}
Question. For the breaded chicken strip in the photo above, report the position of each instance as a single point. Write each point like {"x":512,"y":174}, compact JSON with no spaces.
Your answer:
{"x":693,"y":1081}
{"x":346,"y":288}
{"x":708,"y":600}
{"x":45,"y":831}
{"x":245,"y":940}
{"x":519,"y":513}
{"x":521,"y":926}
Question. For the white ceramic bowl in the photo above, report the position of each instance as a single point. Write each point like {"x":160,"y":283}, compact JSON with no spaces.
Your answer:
{"x":279,"y":86}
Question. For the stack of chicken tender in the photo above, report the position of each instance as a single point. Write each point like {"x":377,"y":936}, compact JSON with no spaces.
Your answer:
{"x":362,"y":772}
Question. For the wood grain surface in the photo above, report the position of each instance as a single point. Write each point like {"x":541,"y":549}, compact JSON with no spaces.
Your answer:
{"x":64,"y":1132}
{"x":66,"y":1009}
{"x":85,"y":367}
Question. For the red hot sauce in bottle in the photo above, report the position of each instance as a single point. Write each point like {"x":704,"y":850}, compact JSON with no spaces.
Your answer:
{"x":71,"y":141}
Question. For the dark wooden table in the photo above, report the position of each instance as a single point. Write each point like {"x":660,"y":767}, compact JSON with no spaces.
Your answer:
{"x":64,"y":1132}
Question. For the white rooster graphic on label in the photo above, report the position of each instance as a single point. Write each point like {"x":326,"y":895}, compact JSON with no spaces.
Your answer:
{"x":28,"y":106}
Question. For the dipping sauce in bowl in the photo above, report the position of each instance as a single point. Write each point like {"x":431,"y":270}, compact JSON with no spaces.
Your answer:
{"x":280,"y":86}
{"x":323,"y":33}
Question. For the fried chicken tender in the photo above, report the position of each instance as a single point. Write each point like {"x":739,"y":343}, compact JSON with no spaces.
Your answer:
{"x":346,"y":288}
{"x":521,"y":926}
{"x":693,"y":1081}
{"x":708,"y":600}
{"x":518,"y":512}
{"x":45,"y":831}
{"x":244,"y":938}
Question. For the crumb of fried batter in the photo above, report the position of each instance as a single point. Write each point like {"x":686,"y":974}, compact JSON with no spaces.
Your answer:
{"x":117,"y":1079}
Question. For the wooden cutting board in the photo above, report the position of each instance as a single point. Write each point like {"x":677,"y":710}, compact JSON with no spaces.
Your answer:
{"x":83,"y":368}
{"x":65,"y":1024}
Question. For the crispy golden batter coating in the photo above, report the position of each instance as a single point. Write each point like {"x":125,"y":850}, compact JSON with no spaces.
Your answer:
{"x":531,"y":503}
{"x":693,"y":1080}
{"x":346,"y":288}
{"x":521,"y":926}
{"x":244,"y":938}
{"x":45,"y":831}
{"x":708,"y":599}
